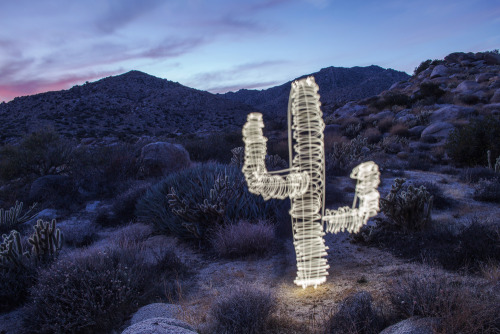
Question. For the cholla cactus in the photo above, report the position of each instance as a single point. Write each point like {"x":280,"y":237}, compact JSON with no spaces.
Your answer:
{"x":238,"y":156}
{"x":12,"y":217}
{"x":497,"y":165}
{"x":11,"y":252}
{"x":46,"y":241}
{"x":408,"y":207}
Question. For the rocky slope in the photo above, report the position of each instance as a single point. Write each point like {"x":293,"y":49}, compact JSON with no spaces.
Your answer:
{"x":133,"y":103}
{"x":337,"y":85}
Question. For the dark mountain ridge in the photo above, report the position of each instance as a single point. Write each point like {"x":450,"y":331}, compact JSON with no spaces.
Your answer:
{"x":337,"y":85}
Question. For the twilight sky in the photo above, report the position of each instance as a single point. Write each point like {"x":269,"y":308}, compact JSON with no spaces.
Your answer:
{"x":225,"y":45}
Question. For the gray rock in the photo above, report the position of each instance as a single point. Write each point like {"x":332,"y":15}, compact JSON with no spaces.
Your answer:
{"x":425,"y":73}
{"x":92,"y":206}
{"x":496,"y":97}
{"x":352,"y":109}
{"x":161,"y":158}
{"x":440,"y":71}
{"x":160,"y":326}
{"x":493,"y":108}
{"x":46,"y":186}
{"x":414,"y":325}
{"x":482,"y":77}
{"x":451,"y":112}
{"x":379,"y":116}
{"x":438,"y":130}
{"x":491,"y":58}
{"x":156,"y":310}
{"x":467,"y":86}
{"x":416,"y":131}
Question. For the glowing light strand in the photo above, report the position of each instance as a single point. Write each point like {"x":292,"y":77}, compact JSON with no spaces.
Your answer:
{"x":305,"y":182}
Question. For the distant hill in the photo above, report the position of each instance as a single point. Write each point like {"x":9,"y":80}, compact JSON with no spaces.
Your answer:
{"x":133,"y":103}
{"x":137,"y":104}
{"x":337,"y":85}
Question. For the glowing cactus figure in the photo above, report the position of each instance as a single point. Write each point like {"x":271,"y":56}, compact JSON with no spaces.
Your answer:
{"x":304,"y":181}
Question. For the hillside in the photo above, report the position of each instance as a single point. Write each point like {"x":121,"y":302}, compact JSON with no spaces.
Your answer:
{"x":337,"y":85}
{"x":133,"y":103}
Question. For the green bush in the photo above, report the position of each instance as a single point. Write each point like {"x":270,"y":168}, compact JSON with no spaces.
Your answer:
{"x":408,"y":208}
{"x":468,"y":145}
{"x":422,"y":67}
{"x":243,"y":310}
{"x":488,"y":191}
{"x":40,"y":153}
{"x":244,"y":239}
{"x":356,"y":315}
{"x":194,"y":201}
{"x":93,"y":291}
{"x":459,"y":306}
{"x":345,"y":155}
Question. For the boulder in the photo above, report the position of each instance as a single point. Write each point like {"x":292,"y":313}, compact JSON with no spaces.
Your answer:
{"x":413,"y":325}
{"x":438,"y":130}
{"x":379,"y":116}
{"x":440,"y":71}
{"x":491,"y":58}
{"x":482,"y":77}
{"x":351,"y":109}
{"x":457,"y":57}
{"x":156,"y":310}
{"x":160,"y":326}
{"x":496,"y":97}
{"x":416,"y":131}
{"x":451,"y":112}
{"x":467,"y":86}
{"x":161,"y":158}
{"x":50,"y":185}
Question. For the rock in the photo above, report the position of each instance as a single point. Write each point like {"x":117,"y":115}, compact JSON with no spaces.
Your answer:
{"x":493,"y":108}
{"x":425,"y":73}
{"x":491,"y":58}
{"x":457,"y":57}
{"x":440,"y":71}
{"x":92,"y":206}
{"x":416,"y":131}
{"x":451,"y":112}
{"x":402,"y":155}
{"x":467,"y":86}
{"x":438,"y":130}
{"x":161,"y":158}
{"x":379,"y":116}
{"x":160,"y":326}
{"x":413,"y":325}
{"x":351,"y":109}
{"x":9,"y":322}
{"x":46,"y":186}
{"x":156,"y":310}
{"x":496,"y":97}
{"x":482,"y":77}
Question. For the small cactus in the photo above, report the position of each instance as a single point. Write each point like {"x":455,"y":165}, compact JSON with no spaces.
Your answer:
{"x":408,"y":207}
{"x":11,"y":252}
{"x":12,"y":217}
{"x":46,"y":241}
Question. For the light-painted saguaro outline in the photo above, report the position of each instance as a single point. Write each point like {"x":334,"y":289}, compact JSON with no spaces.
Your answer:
{"x":304,"y":181}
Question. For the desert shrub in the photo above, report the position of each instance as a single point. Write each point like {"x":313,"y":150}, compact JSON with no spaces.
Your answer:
{"x":475,"y":174}
{"x":488,"y":191}
{"x":272,"y":162}
{"x":40,"y":153}
{"x":469,"y":144}
{"x":430,"y":90}
{"x":356,"y":315}
{"x":422,"y":67}
{"x":278,"y":147}
{"x":13,"y":217}
{"x":440,"y":201}
{"x":345,"y":156}
{"x":459,"y":306}
{"x":372,"y":135}
{"x":244,"y":239}
{"x":200,"y":198}
{"x":390,"y":99}
{"x":101,"y":171}
{"x":393,"y":144}
{"x":242,"y":310}
{"x":216,"y":147}
{"x":17,"y":271}
{"x":419,"y":161}
{"x":407,"y":207}
{"x":91,"y":292}
{"x":385,"y":124}
{"x":464,"y":248}
{"x":399,"y":129}
{"x":123,"y":206}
